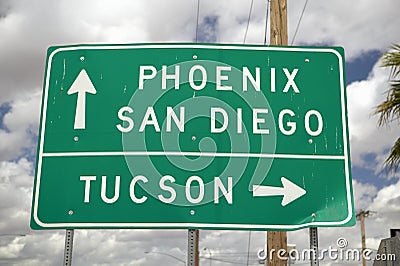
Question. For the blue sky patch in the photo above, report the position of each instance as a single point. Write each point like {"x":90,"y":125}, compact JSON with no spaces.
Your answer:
{"x":4,"y":109}
{"x":359,"y":68}
{"x":368,"y":176}
{"x":207,"y":32}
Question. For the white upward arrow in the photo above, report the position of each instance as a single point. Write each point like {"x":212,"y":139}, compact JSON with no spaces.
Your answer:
{"x":81,"y":85}
{"x":290,"y":191}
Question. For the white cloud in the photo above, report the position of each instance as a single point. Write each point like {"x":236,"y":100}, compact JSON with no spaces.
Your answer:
{"x":364,"y":195}
{"x":30,"y":27}
{"x":128,"y":247}
{"x":27,"y":28}
{"x":388,"y":199}
{"x":384,"y":214}
{"x":20,"y":126}
{"x":366,"y":138}
{"x":358,"y":27}
{"x":16,"y":184}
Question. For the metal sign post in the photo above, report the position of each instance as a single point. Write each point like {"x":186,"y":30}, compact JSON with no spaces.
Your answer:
{"x":69,"y":241}
{"x":314,"y":246}
{"x":193,"y":247}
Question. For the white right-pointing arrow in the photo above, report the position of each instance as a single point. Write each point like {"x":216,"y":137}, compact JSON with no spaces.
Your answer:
{"x":290,"y":191}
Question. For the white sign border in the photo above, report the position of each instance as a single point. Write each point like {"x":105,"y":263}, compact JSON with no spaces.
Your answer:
{"x":192,"y":225}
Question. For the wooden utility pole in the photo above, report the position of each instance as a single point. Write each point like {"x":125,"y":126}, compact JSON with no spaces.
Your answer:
{"x":361,"y":217}
{"x":278,"y":26}
{"x":276,"y":240}
{"x":278,"y":36}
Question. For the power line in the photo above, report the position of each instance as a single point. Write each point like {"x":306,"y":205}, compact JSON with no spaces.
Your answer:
{"x":197,"y":19}
{"x":248,"y":248}
{"x":266,"y":23}
{"x":225,"y":260}
{"x":298,"y":24}
{"x":248,"y":21}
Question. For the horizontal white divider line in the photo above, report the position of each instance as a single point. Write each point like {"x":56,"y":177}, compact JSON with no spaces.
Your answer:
{"x":204,"y":154}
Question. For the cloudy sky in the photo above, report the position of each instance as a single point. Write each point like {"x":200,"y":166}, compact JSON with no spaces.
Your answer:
{"x":28,"y":27}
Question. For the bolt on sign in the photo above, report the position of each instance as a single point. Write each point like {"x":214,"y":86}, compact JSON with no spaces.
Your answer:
{"x":193,"y":136}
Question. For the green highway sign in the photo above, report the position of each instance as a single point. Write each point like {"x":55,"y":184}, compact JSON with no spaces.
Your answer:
{"x":193,"y":136}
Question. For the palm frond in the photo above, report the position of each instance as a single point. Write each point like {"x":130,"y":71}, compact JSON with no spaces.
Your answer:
{"x":393,"y":160}
{"x":389,"y":109}
{"x":392,"y":59}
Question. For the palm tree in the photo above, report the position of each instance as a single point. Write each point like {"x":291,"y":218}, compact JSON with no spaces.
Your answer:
{"x":389,"y":110}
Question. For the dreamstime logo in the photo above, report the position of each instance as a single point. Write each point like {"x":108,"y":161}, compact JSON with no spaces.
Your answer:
{"x":341,"y":242}
{"x":339,"y":253}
